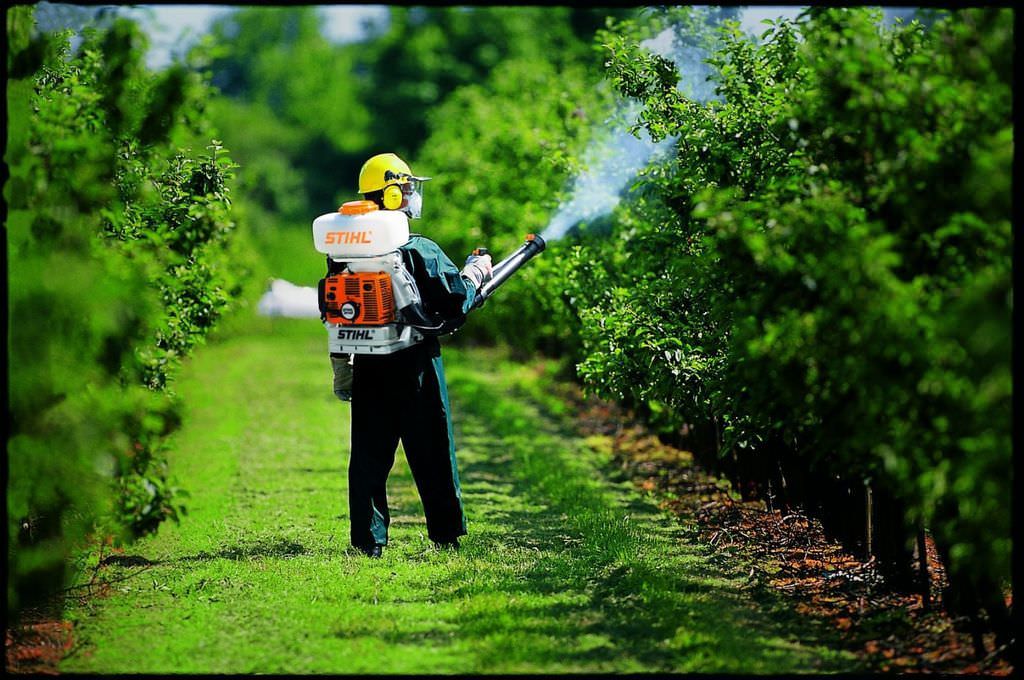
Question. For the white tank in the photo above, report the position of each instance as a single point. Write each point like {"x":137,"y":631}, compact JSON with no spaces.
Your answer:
{"x":360,"y":235}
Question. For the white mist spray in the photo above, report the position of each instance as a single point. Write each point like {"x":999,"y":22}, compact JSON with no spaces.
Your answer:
{"x":618,"y":155}
{"x":610,"y":165}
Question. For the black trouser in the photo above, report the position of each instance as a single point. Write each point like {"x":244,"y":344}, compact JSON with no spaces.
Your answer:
{"x":402,"y":396}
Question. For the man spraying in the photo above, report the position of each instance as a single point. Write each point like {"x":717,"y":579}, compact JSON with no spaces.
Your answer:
{"x":401,"y":395}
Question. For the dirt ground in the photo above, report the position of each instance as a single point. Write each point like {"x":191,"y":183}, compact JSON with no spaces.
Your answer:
{"x":37,"y":646}
{"x":789,"y":553}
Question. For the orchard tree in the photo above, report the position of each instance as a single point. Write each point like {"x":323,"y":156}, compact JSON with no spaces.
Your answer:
{"x":821,"y":272}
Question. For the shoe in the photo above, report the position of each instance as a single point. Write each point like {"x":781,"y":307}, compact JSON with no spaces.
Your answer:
{"x":447,"y":545}
{"x":374,"y":551}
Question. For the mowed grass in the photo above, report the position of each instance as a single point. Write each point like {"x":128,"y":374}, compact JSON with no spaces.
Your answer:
{"x":562,"y":571}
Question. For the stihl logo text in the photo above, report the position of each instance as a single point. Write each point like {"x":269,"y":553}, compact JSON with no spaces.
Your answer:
{"x":353,"y":334}
{"x":347,"y":237}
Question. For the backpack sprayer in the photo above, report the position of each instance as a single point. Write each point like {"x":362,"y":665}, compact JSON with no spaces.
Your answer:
{"x":369,"y":301}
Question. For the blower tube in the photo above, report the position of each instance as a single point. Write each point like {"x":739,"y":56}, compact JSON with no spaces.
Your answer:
{"x":500,"y":273}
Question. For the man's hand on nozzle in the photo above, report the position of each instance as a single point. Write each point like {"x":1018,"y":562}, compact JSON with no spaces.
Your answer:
{"x":478,"y":269}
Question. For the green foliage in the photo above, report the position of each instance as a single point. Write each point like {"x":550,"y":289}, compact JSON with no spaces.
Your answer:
{"x":264,"y":147}
{"x":280,"y":57}
{"x":119,"y":265}
{"x":825,"y":261}
{"x":427,"y":53}
{"x":276,"y":60}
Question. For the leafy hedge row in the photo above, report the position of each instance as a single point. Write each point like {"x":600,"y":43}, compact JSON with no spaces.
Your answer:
{"x":119,"y":263}
{"x":819,"y":276}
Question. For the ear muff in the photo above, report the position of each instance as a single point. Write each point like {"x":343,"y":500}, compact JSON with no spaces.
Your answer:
{"x":392,"y":197}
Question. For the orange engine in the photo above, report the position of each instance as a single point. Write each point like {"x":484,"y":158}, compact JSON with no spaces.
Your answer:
{"x":359,"y":299}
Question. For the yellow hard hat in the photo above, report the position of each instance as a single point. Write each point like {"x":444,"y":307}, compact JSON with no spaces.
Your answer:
{"x":382,"y":170}
{"x":388,"y":170}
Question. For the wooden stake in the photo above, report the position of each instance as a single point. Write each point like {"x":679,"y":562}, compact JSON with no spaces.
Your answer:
{"x":922,"y":566}
{"x":869,"y":528}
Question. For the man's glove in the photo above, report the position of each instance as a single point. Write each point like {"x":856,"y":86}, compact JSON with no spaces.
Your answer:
{"x":342,"y":365}
{"x":477,"y":269}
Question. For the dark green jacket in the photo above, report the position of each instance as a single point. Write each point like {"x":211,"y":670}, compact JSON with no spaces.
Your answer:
{"x":446,"y":294}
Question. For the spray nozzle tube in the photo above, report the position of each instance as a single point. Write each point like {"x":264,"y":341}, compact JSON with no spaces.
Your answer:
{"x":533,"y":246}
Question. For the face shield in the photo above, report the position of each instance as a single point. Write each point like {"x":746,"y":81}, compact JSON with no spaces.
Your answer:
{"x":412,"y":196}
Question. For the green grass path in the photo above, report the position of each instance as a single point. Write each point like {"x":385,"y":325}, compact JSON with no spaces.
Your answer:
{"x":562,"y":570}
